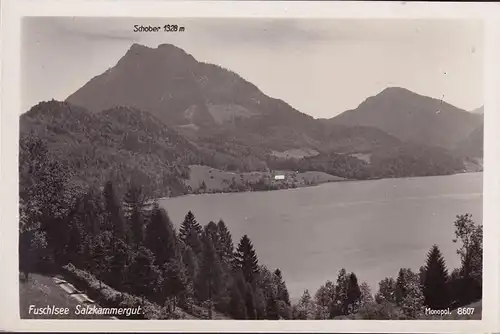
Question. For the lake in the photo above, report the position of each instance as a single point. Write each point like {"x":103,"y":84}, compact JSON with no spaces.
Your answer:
{"x":371,"y":228}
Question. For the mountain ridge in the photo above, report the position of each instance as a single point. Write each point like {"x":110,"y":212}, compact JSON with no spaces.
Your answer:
{"x":412,"y":117}
{"x":238,"y":127}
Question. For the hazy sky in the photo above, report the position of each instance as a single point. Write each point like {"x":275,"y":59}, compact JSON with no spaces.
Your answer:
{"x":321,"y":67}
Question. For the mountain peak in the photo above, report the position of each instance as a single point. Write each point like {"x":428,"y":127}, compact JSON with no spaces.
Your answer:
{"x":412,"y":117}
{"x":162,"y":49}
{"x":396,"y":91}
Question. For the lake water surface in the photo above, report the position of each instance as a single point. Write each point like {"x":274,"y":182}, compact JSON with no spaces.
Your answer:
{"x":372,"y":228}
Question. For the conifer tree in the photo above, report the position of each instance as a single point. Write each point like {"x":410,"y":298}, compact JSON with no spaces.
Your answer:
{"x":282,"y":291}
{"x":421,"y":276}
{"x":226,"y":250}
{"x":160,"y":236}
{"x":341,"y":291}
{"x":192,"y":265}
{"x":260,"y":304}
{"x":135,"y":202}
{"x":187,"y":225}
{"x":114,"y":213}
{"x":272,"y":311}
{"x":237,"y":304}
{"x":353,"y":294}
{"x":436,"y":275}
{"x":90,"y":213}
{"x":212,"y":231}
{"x":246,"y":259}
{"x":190,"y":233}
{"x":401,"y":283}
{"x":210,"y":278}
{"x":304,"y":310}
{"x":250,"y":303}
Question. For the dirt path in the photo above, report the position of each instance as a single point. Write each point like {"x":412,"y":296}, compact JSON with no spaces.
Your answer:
{"x":42,"y":291}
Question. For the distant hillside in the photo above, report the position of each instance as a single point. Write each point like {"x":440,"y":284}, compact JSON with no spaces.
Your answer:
{"x":412,"y":118}
{"x":356,"y":139}
{"x":117,"y":144}
{"x":472,"y":146}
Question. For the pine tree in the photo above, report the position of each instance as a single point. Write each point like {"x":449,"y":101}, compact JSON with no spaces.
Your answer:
{"x":341,"y":291}
{"x":436,"y":275}
{"x":246,"y":259}
{"x":192,"y":266}
{"x":282,"y":291}
{"x":401,"y":283}
{"x":90,"y":213}
{"x":237,"y":304}
{"x":421,"y":275}
{"x":74,"y":250}
{"x":250,"y":303}
{"x":260,"y":304}
{"x":226,"y":251}
{"x":304,"y":310}
{"x":135,"y":202}
{"x":114,"y":213}
{"x":353,"y":294}
{"x":190,"y":233}
{"x":160,"y":236}
{"x":210,"y":278}
{"x":187,"y":225}
{"x":212,"y":231}
{"x":272,"y":311}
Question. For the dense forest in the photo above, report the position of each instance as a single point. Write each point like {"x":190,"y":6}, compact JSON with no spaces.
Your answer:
{"x":124,"y":248}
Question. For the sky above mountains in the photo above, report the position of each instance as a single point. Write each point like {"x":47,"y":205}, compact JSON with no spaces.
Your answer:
{"x":320,"y":67}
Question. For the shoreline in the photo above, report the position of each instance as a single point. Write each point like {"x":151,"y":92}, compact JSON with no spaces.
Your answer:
{"x":314,"y":185}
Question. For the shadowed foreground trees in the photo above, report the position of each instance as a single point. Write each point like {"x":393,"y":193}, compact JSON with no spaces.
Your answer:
{"x":134,"y":247}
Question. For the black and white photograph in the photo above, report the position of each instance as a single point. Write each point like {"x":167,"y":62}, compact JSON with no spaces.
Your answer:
{"x":251,"y":168}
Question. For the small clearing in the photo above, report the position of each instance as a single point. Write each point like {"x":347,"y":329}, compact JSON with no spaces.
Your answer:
{"x":220,"y":181}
